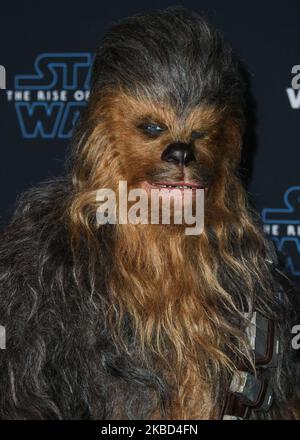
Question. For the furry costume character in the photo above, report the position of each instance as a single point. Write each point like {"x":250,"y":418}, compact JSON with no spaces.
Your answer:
{"x":142,"y":321}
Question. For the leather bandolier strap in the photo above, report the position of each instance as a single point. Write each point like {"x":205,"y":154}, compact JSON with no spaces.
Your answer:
{"x":248,"y":392}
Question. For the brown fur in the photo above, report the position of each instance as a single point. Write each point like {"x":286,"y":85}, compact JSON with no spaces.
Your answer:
{"x":176,"y":312}
{"x":143,"y":321}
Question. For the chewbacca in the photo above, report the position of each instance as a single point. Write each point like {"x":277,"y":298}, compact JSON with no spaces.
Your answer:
{"x":124,"y":321}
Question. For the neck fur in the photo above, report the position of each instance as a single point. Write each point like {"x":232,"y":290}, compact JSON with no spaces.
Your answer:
{"x":167,"y":283}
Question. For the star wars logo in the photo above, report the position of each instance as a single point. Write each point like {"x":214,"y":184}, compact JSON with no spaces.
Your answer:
{"x":48,"y":101}
{"x":283,"y":226}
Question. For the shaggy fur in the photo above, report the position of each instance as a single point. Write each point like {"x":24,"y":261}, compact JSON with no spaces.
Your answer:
{"x":141,"y":321}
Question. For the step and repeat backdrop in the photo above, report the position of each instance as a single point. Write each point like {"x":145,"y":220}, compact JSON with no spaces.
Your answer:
{"x":46,"y":53}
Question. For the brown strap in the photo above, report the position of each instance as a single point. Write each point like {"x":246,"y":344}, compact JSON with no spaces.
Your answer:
{"x":255,"y":393}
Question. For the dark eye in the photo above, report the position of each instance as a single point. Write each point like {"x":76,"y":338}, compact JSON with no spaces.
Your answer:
{"x":152,"y":129}
{"x":198,"y":134}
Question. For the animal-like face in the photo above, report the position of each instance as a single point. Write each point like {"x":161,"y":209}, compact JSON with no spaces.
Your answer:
{"x":157,"y":148}
{"x":166,"y":109}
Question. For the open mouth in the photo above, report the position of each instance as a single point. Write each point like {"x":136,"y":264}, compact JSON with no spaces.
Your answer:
{"x":176,"y":185}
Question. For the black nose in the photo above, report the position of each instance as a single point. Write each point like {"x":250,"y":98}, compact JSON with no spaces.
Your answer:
{"x":178,"y":153}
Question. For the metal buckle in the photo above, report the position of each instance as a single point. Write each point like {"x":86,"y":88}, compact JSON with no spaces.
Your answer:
{"x":264,"y":341}
{"x":229,"y":417}
{"x":252,"y":391}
